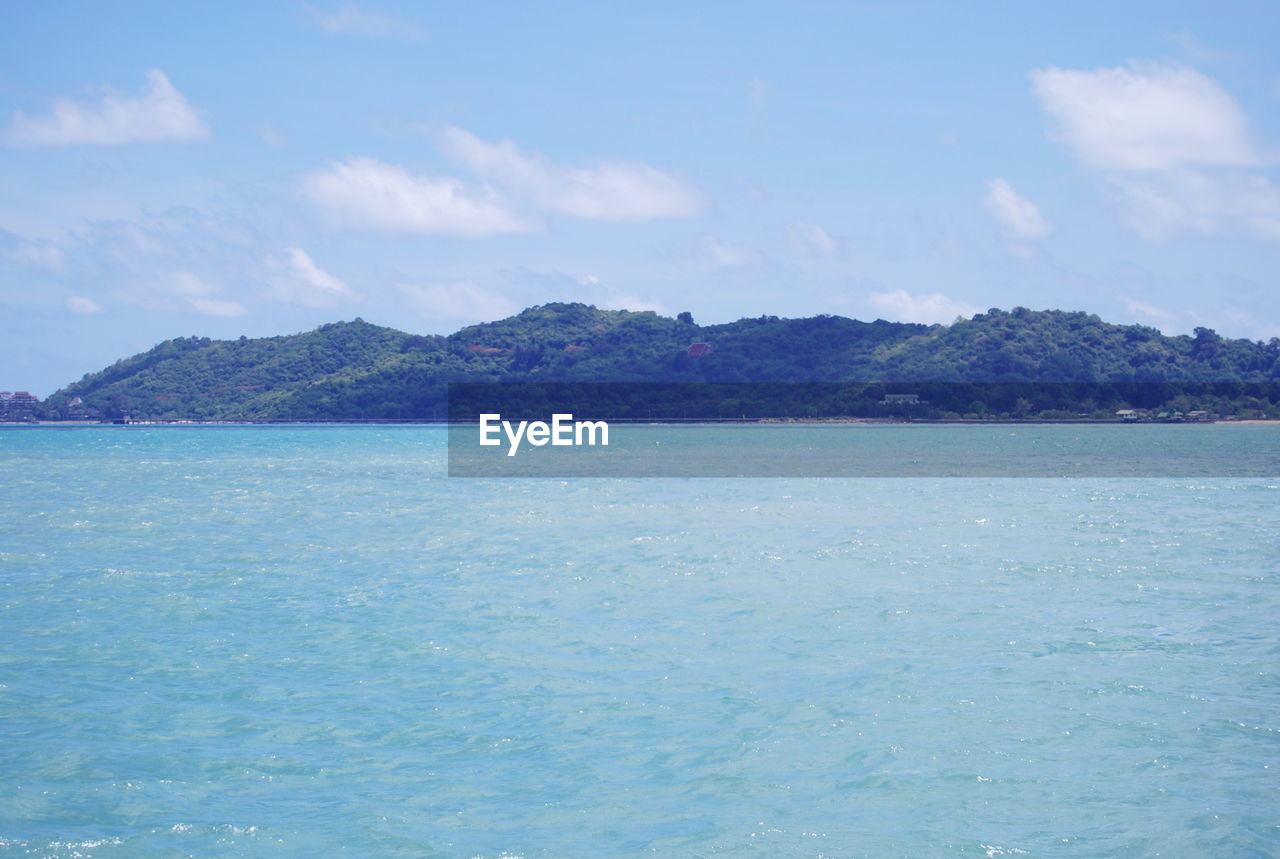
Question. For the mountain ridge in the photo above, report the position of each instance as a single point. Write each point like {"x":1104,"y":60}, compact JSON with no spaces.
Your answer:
{"x":358,"y":370}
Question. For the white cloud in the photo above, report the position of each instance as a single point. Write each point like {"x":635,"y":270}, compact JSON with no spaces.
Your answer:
{"x":34,"y":254}
{"x":159,"y":114}
{"x":298,"y":280}
{"x":608,"y":191}
{"x":1251,"y":324}
{"x":365,"y":193}
{"x":187,"y":284}
{"x":82,"y":306}
{"x":1020,"y":216}
{"x":610,"y":297}
{"x":42,"y":256}
{"x":811,"y":238}
{"x":725,"y":255}
{"x":1173,"y":202}
{"x":618,"y":300}
{"x":1146,"y":117}
{"x":198,"y":292}
{"x":1171,"y":143}
{"x":901,"y":306}
{"x":457,"y":301}
{"x":351,"y":20}
{"x":368,"y":194}
{"x":218,"y":307}
{"x":1159,"y":316}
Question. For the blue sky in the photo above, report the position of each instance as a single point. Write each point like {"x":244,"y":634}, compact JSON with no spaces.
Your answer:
{"x":262,"y":168}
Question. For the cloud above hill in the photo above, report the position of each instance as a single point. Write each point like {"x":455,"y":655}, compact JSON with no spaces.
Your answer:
{"x":1019,"y":215}
{"x":158,"y":114}
{"x":605,"y":191}
{"x":1174,"y":146}
{"x":365,"y":193}
{"x":1145,"y":117}
{"x":901,"y":306}
{"x":510,"y":190}
{"x":297,"y":279}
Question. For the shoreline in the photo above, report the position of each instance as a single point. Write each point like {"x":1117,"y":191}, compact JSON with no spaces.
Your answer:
{"x":652,"y":421}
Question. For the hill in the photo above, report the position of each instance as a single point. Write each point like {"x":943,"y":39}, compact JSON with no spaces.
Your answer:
{"x":356,"y":370}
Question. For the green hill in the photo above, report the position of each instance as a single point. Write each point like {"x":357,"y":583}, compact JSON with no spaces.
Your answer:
{"x":355,"y":370}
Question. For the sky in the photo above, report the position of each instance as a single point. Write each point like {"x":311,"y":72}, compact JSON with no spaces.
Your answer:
{"x":248,"y":168}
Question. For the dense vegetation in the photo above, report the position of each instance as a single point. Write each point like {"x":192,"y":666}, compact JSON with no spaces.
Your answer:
{"x":355,"y":370}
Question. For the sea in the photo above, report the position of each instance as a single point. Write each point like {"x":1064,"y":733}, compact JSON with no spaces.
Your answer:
{"x":312,"y":641}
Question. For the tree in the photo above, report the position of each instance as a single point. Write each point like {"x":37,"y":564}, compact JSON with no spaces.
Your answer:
{"x":1206,"y":343}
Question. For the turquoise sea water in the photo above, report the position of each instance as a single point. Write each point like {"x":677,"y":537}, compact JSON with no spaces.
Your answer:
{"x":880,"y":450}
{"x":282,"y":640}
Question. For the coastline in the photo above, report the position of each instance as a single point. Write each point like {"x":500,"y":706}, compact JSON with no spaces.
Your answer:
{"x":664,"y":422}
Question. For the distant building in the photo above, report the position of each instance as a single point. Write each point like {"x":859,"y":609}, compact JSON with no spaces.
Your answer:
{"x":1198,"y":415}
{"x":1127,"y":415}
{"x":698,"y":350}
{"x":900,"y":400}
{"x":17,"y":405}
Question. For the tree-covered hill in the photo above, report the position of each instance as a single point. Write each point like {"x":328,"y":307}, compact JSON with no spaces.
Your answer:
{"x":355,"y":370}
{"x":1036,"y":346}
{"x":200,"y":378}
